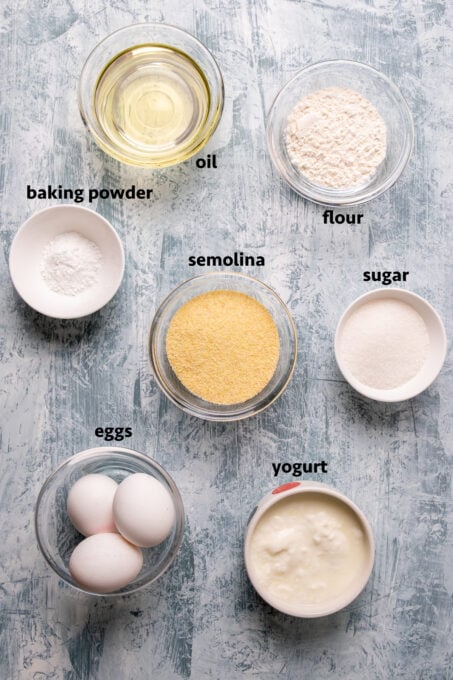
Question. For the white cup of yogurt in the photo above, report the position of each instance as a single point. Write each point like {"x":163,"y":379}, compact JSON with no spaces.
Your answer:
{"x":309,"y":550}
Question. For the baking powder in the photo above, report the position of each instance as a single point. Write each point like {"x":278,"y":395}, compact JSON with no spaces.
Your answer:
{"x":70,"y":263}
{"x":384,"y":343}
{"x":336,"y":138}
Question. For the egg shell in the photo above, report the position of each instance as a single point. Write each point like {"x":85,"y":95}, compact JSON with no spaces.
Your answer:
{"x":143,"y":510}
{"x":90,"y":504}
{"x":104,"y":563}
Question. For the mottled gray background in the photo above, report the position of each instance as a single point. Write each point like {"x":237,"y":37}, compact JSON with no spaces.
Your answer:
{"x":61,"y":380}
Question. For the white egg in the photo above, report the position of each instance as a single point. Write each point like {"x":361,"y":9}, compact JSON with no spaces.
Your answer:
{"x":90,"y":504}
{"x":105,"y":562}
{"x":143,"y":510}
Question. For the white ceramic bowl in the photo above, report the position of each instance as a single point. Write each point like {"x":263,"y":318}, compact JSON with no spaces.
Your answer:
{"x":437,"y":352}
{"x":307,"y":610}
{"x":26,"y":252}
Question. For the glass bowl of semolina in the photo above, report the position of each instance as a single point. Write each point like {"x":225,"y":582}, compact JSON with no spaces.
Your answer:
{"x":222,"y":346}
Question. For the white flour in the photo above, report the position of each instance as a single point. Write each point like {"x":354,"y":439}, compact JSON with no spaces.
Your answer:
{"x":336,"y":138}
{"x":70,"y":263}
{"x":384,"y":343}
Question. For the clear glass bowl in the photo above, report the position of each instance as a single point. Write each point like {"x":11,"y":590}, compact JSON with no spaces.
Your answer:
{"x":168,"y":381}
{"x":380,"y":91}
{"x":139,"y":35}
{"x":57,"y":537}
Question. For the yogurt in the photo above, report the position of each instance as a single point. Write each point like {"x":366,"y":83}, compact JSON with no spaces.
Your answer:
{"x":309,"y":550}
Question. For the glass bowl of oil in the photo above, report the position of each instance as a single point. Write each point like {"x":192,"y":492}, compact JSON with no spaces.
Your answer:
{"x":151,"y":95}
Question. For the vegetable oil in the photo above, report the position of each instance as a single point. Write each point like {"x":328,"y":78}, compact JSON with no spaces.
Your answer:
{"x":152,"y":102}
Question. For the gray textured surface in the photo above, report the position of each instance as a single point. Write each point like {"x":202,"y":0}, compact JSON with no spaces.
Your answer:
{"x":60,"y":380}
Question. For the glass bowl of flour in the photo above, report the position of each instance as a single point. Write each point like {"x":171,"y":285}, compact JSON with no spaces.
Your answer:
{"x":66,"y":261}
{"x":340,"y":133}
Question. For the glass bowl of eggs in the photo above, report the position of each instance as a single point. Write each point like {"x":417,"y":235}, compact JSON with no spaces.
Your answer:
{"x":109,"y":521}
{"x":223,"y":346}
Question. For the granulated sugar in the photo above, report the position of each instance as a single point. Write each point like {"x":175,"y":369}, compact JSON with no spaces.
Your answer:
{"x":384,"y":343}
{"x":336,"y":138}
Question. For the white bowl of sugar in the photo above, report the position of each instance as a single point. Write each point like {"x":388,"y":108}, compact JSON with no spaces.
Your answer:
{"x":66,"y":261}
{"x":390,"y":344}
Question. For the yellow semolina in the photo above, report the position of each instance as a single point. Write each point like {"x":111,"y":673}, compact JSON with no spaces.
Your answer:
{"x":223,"y":346}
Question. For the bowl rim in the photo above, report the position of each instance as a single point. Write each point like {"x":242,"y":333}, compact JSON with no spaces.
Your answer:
{"x":407,"y":296}
{"x":336,"y":197}
{"x":15,"y":254}
{"x":217,"y":103}
{"x":238,"y":413}
{"x":273,"y":497}
{"x":101,"y":451}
